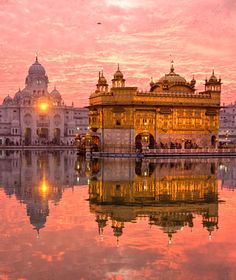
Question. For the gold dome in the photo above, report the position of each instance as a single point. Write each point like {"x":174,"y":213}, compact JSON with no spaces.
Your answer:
{"x":213,"y":78}
{"x":172,"y":77}
{"x":118,"y":74}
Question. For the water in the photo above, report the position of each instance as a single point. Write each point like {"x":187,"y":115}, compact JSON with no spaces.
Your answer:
{"x":66,"y":218}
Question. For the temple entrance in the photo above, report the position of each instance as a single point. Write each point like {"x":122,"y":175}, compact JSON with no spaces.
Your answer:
{"x":28,"y":133}
{"x":143,"y":141}
{"x":42,"y":134}
{"x":57,"y":136}
{"x":188,"y":144}
{"x":8,"y":142}
{"x":213,"y":140}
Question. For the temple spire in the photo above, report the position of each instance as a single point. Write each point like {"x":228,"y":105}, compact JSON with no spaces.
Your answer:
{"x":36,"y":57}
{"x":172,"y":69}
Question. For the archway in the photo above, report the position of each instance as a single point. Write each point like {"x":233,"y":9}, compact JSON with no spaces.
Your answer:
{"x":57,"y":136}
{"x":213,"y":140}
{"x":42,"y":133}
{"x":188,"y":144}
{"x":151,"y":142}
{"x":28,"y":136}
{"x":8,"y":142}
{"x":144,"y":140}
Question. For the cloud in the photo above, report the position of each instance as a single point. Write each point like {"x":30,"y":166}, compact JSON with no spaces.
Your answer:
{"x":140,"y":35}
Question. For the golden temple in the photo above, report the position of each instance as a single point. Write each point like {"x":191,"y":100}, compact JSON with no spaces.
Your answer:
{"x":172,"y":114}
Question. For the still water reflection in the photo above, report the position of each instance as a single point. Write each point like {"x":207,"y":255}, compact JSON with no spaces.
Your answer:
{"x":63,"y":217}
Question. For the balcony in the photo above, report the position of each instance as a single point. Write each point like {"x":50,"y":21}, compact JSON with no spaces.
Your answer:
{"x":43,"y":124}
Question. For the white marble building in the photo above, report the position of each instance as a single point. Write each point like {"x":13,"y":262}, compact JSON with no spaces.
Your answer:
{"x":227,"y":132}
{"x":35,"y":116}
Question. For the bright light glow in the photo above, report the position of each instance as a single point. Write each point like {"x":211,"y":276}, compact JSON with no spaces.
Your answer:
{"x":44,"y":187}
{"x":43,"y":106}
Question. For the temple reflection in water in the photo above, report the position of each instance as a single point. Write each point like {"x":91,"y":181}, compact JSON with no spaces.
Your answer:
{"x":169,"y":194}
{"x":37,"y":178}
{"x":227,"y":173}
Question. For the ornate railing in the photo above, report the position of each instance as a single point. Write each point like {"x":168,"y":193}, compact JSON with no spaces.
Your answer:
{"x":191,"y":151}
{"x":43,"y":124}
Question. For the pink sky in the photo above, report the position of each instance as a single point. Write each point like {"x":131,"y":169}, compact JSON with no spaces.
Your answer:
{"x":138,"y":34}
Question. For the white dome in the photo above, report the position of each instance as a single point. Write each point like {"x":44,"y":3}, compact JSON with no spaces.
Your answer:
{"x":7,"y":100}
{"x":55,"y":94}
{"x":36,"y":68}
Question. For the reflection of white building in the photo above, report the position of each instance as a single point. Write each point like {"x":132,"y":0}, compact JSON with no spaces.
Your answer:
{"x":227,"y":173}
{"x":36,"y":116}
{"x":37,"y":179}
{"x":227,"y":132}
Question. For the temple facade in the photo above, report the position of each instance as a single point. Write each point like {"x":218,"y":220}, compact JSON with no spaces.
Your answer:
{"x":37,"y":116}
{"x":172,"y":114}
